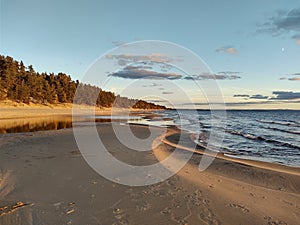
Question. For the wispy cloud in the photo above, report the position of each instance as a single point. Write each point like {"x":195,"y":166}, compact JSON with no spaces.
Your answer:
{"x":141,"y":72}
{"x":285,"y":95}
{"x":241,"y":96}
{"x":229,"y":72}
{"x":288,"y":77}
{"x":266,"y":102}
{"x":144,"y":71}
{"x":152,"y":85}
{"x":157,"y":66}
{"x":259,"y":96}
{"x":156,"y":100}
{"x":256,"y":96}
{"x":277,"y":95}
{"x":283,"y":22}
{"x":167,"y":92}
{"x":227,"y":49}
{"x":124,"y":59}
{"x":118,"y":43}
{"x":294,"y":79}
{"x":296,"y":37}
{"x":210,"y":76}
{"x":138,"y":67}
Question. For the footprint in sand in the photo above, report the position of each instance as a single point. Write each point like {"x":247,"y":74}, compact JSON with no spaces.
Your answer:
{"x":166,"y":211}
{"x":143,"y":206}
{"x":271,"y":221}
{"x":4,"y":210}
{"x":239,"y":206}
{"x":196,"y":199}
{"x":121,"y":216}
{"x":117,"y":211}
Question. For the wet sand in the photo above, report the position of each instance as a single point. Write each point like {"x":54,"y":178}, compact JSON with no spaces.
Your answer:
{"x":45,"y":180}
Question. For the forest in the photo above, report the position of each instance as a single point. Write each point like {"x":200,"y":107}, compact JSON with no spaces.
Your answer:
{"x":22,"y":83}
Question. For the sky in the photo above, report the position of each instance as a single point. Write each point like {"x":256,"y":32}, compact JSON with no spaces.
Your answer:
{"x":252,"y":48}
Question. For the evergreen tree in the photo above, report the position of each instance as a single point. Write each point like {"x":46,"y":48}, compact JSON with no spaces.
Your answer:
{"x":18,"y":83}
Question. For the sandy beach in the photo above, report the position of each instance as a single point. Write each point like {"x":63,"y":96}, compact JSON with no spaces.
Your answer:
{"x":149,"y":113}
{"x":14,"y":110}
{"x":45,"y":180}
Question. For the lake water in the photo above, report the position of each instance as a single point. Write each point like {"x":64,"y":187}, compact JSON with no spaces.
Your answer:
{"x":20,"y":125}
{"x":272,"y":136}
{"x":267,"y":135}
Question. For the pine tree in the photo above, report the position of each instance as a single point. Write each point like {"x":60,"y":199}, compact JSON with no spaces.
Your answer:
{"x":22,"y":84}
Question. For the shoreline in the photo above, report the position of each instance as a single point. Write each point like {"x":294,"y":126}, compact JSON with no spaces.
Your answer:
{"x":202,"y":150}
{"x":36,"y":113}
{"x":67,"y":189}
{"x":196,"y":148}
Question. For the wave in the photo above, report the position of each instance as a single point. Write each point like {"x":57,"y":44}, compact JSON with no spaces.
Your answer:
{"x":286,"y":131}
{"x":259,"y":138}
{"x":293,"y":124}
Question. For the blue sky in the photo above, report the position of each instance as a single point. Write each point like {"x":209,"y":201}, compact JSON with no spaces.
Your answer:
{"x":259,"y":40}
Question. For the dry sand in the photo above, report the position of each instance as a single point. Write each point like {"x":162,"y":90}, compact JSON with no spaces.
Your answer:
{"x":45,"y":180}
{"x":13,"y":110}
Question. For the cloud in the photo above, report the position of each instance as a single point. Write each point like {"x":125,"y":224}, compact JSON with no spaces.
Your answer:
{"x":210,"y":76}
{"x":144,"y":66}
{"x":294,"y":79}
{"x":124,"y":59}
{"x":167,"y":92}
{"x":138,"y":73}
{"x":258,"y":96}
{"x":285,"y":95}
{"x":241,"y":96}
{"x":296,"y":37}
{"x":152,"y":85}
{"x":145,"y":71}
{"x":291,"y":78}
{"x":283,"y":22}
{"x":140,"y":67}
{"x":119,"y":43}
{"x":157,"y":101}
{"x":267,"y":102}
{"x":229,"y":72}
{"x":281,"y":97}
{"x":227,"y":49}
{"x":165,"y":67}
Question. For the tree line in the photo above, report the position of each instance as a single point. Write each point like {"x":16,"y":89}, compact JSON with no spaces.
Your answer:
{"x":23,"y":84}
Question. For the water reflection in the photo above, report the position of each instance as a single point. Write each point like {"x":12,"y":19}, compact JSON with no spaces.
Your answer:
{"x":51,"y":123}
{"x":34,"y":124}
